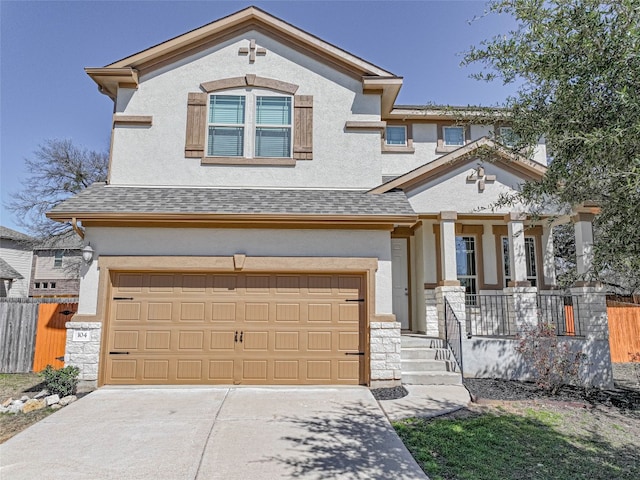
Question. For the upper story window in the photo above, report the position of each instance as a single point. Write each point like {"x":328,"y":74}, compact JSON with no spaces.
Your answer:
{"x":453,"y":136}
{"x":226,"y":125}
{"x":260,"y":125}
{"x":507,"y":137}
{"x":273,"y":127}
{"x":396,"y":135}
{"x":57,"y":259}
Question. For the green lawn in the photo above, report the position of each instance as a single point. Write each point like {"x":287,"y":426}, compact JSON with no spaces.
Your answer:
{"x":533,"y":442}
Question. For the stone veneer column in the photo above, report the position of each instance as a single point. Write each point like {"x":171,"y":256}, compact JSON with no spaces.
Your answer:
{"x":82,"y":350}
{"x":431,"y":313}
{"x":385,"y":347}
{"x":591,"y":313}
{"x":522,"y":308}
{"x":455,"y":295}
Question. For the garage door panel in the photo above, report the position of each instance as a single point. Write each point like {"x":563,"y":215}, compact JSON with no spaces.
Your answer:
{"x":242,"y":328}
{"x":194,"y":283}
{"x":159,"y":312}
{"x":125,"y":340}
{"x":158,"y":340}
{"x":192,"y":312}
{"x":223,"y":312}
{"x":222,"y":341}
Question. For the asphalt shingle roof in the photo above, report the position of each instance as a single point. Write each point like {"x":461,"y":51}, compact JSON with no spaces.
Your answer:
{"x":7,"y":272}
{"x":100,"y":198}
{"x":7,"y":233}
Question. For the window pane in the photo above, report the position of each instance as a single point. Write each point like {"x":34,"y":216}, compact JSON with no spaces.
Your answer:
{"x":396,"y":135}
{"x":470,"y":287}
{"x":58,"y":258}
{"x":453,"y":136}
{"x":226,"y":109}
{"x":226,"y":142}
{"x":507,"y":137}
{"x":465,"y":256}
{"x":273,"y":142}
{"x":505,"y":256}
{"x":530,"y":251}
{"x":273,"y":111}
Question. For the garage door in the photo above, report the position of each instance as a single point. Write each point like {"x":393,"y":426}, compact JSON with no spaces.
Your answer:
{"x":185,"y":328}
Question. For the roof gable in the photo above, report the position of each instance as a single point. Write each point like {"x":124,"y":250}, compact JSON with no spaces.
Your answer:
{"x":518,"y":164}
{"x":127,"y":70}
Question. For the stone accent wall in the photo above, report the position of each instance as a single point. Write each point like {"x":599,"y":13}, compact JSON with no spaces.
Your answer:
{"x":455,"y":297}
{"x":431,"y":313}
{"x":523,"y":308}
{"x":385,"y":345}
{"x":84,"y":351}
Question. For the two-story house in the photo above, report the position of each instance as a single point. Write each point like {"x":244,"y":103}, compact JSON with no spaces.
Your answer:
{"x":55,"y":267}
{"x":15,"y":263}
{"x":271,"y":216}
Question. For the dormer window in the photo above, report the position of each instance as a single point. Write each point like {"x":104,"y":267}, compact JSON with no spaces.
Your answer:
{"x":453,"y":136}
{"x":396,"y":135}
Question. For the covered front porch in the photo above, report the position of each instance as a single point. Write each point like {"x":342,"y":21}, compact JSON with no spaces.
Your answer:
{"x":480,"y":281}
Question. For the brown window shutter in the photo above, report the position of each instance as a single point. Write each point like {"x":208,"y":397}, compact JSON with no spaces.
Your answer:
{"x":303,"y":127}
{"x":196,"y":125}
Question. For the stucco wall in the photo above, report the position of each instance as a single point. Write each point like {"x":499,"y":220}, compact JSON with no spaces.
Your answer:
{"x":226,"y":242}
{"x":155,"y":155}
{"x":19,"y":257}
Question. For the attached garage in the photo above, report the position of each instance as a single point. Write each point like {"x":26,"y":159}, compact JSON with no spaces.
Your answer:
{"x":235,"y":328}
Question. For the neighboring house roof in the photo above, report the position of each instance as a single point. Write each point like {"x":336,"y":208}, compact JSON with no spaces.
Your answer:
{"x":108,"y":202}
{"x":65,"y":241}
{"x":7,"y":272}
{"x":127,"y":70}
{"x":509,"y":160}
{"x":13,"y":235}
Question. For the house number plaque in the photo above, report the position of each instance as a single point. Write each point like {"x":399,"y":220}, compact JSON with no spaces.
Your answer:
{"x":81,"y":336}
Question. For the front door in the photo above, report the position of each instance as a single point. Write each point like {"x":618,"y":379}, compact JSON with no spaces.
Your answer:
{"x":400,"y":279}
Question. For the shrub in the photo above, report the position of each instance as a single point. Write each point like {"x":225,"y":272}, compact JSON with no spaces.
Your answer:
{"x":554,"y":364}
{"x":62,"y":382}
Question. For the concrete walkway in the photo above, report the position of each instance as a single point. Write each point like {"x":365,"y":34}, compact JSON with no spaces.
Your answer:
{"x":212,"y":433}
{"x":426,"y":401}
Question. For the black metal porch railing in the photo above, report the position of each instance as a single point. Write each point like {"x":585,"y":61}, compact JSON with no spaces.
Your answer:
{"x":453,"y":333}
{"x":488,"y":315}
{"x":561,"y":311}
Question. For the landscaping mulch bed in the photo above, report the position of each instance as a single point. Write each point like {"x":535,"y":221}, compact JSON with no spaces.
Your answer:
{"x":392,"y":393}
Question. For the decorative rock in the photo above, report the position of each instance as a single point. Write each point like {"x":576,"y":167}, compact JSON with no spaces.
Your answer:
{"x":15,"y":408}
{"x":52,"y":399}
{"x":17,"y":402}
{"x":7,"y":402}
{"x":64,"y":401}
{"x":56,"y":406}
{"x":24,"y":398}
{"x":3,"y":409}
{"x":42,"y":394}
{"x":33,"y":404}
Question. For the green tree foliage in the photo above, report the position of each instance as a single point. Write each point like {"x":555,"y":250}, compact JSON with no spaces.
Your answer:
{"x":58,"y":170}
{"x":576,"y":65}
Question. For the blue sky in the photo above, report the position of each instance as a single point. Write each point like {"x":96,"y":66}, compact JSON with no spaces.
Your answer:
{"x":44,"y":46}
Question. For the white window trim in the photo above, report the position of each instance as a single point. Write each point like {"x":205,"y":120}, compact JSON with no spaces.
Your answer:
{"x":250,"y":113}
{"x":475,"y":260}
{"x":531,"y":278}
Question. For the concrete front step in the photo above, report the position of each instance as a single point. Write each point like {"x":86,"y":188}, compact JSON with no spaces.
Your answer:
{"x":422,"y":365}
{"x":414,"y":353}
{"x":422,"y":341}
{"x":431,"y":378}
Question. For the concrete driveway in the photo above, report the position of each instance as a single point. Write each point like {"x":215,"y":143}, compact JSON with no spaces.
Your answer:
{"x":212,"y":433}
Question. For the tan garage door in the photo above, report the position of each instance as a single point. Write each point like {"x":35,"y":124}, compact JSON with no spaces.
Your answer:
{"x":181,"y":328}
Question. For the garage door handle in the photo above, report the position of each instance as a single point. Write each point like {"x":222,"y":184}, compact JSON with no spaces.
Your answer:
{"x":123,"y":298}
{"x":235,"y":337}
{"x":118,"y":353}
{"x":241,"y":334}
{"x":354,"y":353}
{"x":355,"y":300}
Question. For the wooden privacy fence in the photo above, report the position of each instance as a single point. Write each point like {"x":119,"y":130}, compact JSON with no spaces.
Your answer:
{"x":624,"y":333}
{"x":33,"y":333}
